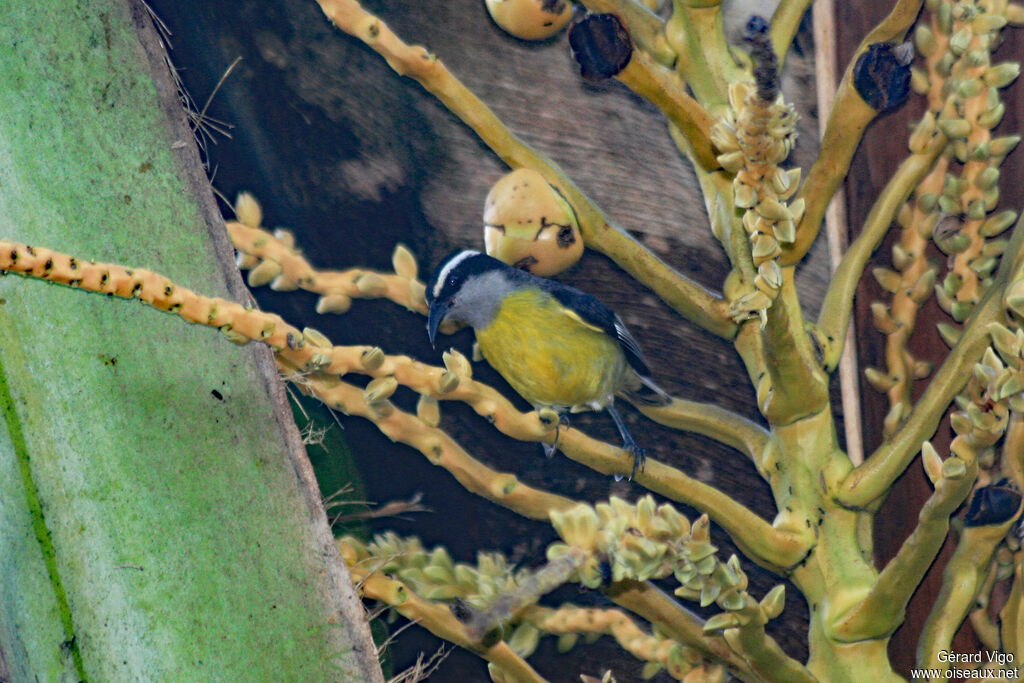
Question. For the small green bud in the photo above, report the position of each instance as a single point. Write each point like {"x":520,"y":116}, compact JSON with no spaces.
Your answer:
{"x":919,"y":81}
{"x":889,"y":280}
{"x":883,"y":320}
{"x":952,"y":283}
{"x":373,"y":358}
{"x":950,"y":333}
{"x":960,"y":41}
{"x":948,"y":205}
{"x":953,"y":468}
{"x":976,"y":210}
{"x":980,"y":152}
{"x":404,"y":262}
{"x":428,"y":409}
{"x":371,"y":285}
{"x":932,"y":462}
{"x":961,"y":423}
{"x":263,"y":273}
{"x":333,"y":303}
{"x":944,"y":17}
{"x":991,"y":198}
{"x":944,"y":67}
{"x":970,"y":88}
{"x":961,"y":310}
{"x":316,"y":338}
{"x":955,"y":128}
{"x":1001,"y":75}
{"x":924,"y":40}
{"x":975,"y":58}
{"x":774,"y":602}
{"x":881,"y":381}
{"x":988,"y":22}
{"x":1014,"y":298}
{"x":1001,"y":146}
{"x":927,"y":201}
{"x":990,"y":118}
{"x":746,"y":196}
{"x":380,"y":389}
{"x":722,"y":622}
{"x":984,"y":266}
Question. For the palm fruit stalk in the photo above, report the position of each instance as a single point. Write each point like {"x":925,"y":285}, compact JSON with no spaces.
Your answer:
{"x":754,"y":137}
{"x":971,"y":109}
{"x":913,"y":274}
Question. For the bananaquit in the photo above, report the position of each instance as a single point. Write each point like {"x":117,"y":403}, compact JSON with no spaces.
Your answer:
{"x":557,"y":346}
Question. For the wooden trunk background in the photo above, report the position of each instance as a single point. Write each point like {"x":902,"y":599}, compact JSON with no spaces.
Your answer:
{"x":353,"y":159}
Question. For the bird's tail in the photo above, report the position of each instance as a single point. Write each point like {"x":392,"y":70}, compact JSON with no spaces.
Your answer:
{"x":647,"y":393}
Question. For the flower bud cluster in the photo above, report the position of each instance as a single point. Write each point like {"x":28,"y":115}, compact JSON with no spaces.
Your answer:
{"x":753,"y":138}
{"x":643,"y":541}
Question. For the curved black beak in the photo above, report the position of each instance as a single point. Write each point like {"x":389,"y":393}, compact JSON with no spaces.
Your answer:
{"x":438,"y":309}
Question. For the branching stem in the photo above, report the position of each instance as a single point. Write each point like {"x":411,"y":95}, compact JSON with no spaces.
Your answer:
{"x":870,"y":480}
{"x":849,"y":117}
{"x":961,"y":580}
{"x":440,"y":621}
{"x":882,"y":611}
{"x":714,"y":422}
{"x":675,"y":621}
{"x":785,"y":25}
{"x":837,"y":307}
{"x":685,"y":296}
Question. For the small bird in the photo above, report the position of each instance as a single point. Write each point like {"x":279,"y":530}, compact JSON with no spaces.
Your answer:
{"x":558,"y":347}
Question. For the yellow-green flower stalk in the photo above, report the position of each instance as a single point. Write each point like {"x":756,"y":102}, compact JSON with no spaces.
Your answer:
{"x":754,"y":137}
{"x":911,"y":280}
{"x":971,"y":109}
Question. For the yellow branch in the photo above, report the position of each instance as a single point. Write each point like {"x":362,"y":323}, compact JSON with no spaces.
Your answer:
{"x":846,"y":124}
{"x":615,"y":623}
{"x":799,"y":388}
{"x":870,"y":480}
{"x":785,"y":24}
{"x":712,"y":421}
{"x":883,"y":609}
{"x":675,"y":621}
{"x":766,"y":545}
{"x":1011,"y":616}
{"x":438,"y":447}
{"x":286,"y":269}
{"x":439,"y":620}
{"x":961,"y":580}
{"x":837,"y":307}
{"x":705,"y":59}
{"x":666,"y":90}
{"x":308,"y":351}
{"x":763,"y":653}
{"x":687,"y":297}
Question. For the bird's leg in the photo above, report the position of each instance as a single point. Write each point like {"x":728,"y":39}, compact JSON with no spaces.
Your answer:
{"x":547,"y":417}
{"x":628,"y":442}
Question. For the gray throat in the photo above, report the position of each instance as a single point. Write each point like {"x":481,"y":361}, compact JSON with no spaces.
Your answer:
{"x":478,"y":301}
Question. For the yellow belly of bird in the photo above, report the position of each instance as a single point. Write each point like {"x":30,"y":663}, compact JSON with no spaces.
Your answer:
{"x":549,"y":355}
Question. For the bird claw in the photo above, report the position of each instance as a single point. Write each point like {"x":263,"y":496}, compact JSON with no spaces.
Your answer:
{"x":639,"y":459}
{"x":550,"y":448}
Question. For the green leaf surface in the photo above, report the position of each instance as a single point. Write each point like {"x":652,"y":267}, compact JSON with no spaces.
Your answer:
{"x":154,"y":524}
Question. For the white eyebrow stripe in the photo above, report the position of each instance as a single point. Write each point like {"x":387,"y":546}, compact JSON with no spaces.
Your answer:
{"x":449,"y":267}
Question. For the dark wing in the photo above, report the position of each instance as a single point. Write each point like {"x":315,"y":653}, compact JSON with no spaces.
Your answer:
{"x":597,"y":314}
